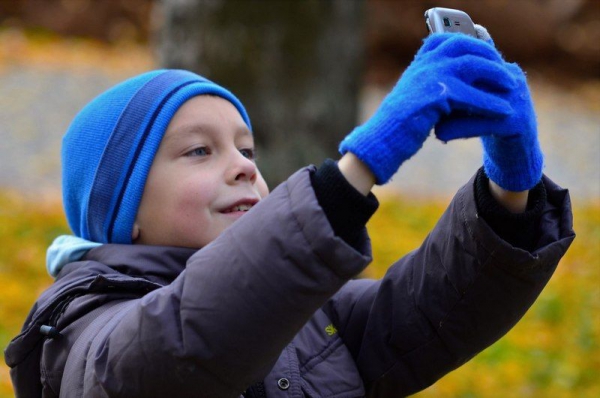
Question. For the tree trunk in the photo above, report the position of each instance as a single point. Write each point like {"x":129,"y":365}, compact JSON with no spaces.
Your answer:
{"x":296,"y":66}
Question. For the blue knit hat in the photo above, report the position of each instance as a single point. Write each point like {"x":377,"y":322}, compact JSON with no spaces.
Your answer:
{"x":109,"y":148}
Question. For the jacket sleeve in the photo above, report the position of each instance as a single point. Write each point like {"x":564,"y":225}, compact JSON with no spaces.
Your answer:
{"x":222,"y":324}
{"x":441,"y":304}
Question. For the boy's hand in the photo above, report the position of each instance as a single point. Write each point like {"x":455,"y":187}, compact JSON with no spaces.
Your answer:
{"x":512,"y":157}
{"x":451,"y":72}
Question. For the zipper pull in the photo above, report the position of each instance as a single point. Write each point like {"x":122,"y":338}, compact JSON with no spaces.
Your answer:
{"x":50,"y":331}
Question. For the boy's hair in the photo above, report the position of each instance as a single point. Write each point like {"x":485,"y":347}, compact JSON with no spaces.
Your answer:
{"x":109,"y":148}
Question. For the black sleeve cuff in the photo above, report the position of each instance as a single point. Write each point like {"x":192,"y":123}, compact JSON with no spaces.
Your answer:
{"x":346,"y":209}
{"x":518,"y":229}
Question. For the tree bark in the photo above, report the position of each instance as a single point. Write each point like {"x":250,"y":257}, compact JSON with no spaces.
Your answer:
{"x":296,"y":66}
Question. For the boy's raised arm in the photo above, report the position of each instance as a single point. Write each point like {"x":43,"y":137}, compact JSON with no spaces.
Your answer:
{"x":356,"y":173}
{"x":443,"y":303}
{"x":471,"y":280}
{"x":515,"y":202}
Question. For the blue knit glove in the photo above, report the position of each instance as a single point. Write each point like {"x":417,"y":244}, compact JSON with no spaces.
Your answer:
{"x":444,"y":77}
{"x":512,"y":157}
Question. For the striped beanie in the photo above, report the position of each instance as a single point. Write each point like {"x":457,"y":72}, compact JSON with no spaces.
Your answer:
{"x":110,"y":145}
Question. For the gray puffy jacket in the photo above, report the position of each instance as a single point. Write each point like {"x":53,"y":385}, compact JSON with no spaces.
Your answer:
{"x":273,"y":299}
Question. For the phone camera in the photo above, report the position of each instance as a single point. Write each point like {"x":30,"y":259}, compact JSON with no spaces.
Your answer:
{"x":447,"y":22}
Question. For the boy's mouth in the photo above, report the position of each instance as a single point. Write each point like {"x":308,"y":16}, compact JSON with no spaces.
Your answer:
{"x":240,"y":206}
{"x":237,"y":208}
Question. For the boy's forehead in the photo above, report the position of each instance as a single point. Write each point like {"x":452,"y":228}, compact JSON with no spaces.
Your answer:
{"x":207,"y":114}
{"x":208,"y":109}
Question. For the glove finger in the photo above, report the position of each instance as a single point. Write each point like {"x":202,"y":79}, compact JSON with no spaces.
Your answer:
{"x":483,"y":73}
{"x":515,"y":70}
{"x":433,"y":41}
{"x":473,"y":101}
{"x":459,"y":44}
{"x":483,"y":34}
{"x":462,"y":126}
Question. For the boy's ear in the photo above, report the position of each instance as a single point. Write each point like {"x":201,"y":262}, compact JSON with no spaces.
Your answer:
{"x":135,"y":232}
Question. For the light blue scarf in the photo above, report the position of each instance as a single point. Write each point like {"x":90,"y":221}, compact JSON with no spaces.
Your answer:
{"x":66,"y":249}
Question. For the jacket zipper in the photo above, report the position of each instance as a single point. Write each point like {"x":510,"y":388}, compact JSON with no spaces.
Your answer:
{"x":49,"y":330}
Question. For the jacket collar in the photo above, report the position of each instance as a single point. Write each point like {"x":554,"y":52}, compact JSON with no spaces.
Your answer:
{"x":156,"y":263}
{"x":145,"y":266}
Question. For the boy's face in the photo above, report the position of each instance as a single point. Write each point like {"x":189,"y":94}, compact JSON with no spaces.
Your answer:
{"x":203,"y":177}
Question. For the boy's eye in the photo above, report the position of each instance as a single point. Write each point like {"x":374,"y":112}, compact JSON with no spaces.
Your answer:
{"x":200,"y":151}
{"x":249,"y":153}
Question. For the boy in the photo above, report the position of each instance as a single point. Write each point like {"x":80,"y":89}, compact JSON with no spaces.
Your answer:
{"x":184,"y":278}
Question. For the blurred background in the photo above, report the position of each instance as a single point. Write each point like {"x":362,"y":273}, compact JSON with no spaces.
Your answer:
{"x":308,"y":72}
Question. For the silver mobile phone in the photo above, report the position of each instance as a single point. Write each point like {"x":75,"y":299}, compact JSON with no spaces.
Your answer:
{"x":441,"y":20}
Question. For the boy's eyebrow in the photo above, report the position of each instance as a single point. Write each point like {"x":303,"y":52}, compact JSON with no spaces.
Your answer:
{"x":187,"y":129}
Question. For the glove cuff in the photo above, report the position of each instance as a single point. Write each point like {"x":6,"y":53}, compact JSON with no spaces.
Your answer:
{"x":384,"y":142}
{"x":515,"y":173}
{"x":381,"y":150}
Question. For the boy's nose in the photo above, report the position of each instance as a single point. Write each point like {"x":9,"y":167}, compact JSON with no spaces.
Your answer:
{"x":242,"y":169}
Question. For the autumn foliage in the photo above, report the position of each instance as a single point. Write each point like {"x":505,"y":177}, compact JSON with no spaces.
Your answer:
{"x":552,"y":352}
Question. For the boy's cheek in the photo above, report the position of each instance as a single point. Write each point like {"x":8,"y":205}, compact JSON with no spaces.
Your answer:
{"x":263,"y":188}
{"x":264,"y":191}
